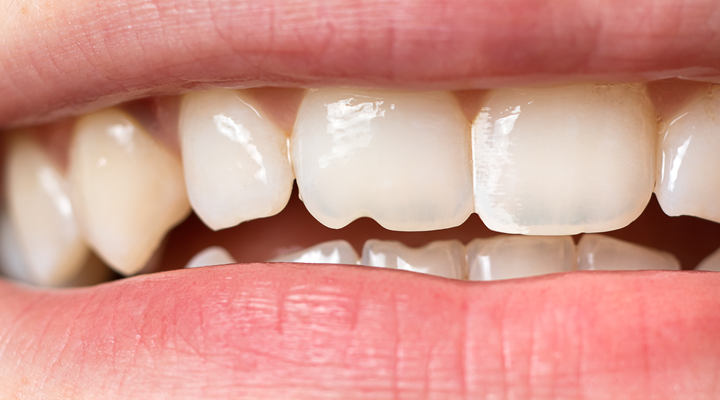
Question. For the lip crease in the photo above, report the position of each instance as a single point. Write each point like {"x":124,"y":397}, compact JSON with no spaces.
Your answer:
{"x":285,"y":330}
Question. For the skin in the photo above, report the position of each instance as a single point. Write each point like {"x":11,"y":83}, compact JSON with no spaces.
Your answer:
{"x":292,"y":331}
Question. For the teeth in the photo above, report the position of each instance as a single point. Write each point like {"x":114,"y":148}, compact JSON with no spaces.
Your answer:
{"x":214,"y":255}
{"x":127,"y":189}
{"x":440,"y":258}
{"x":564,"y":160}
{"x":42,"y":215}
{"x":710,"y":263}
{"x":600,"y":252}
{"x":236,"y":161}
{"x":12,"y":262}
{"x":509,"y":257}
{"x":688,"y":182}
{"x":333,"y":252}
{"x":399,"y":158}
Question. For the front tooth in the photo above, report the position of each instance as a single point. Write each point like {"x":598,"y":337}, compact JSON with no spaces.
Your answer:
{"x":563,"y":160}
{"x":127,"y":189}
{"x":333,"y":252}
{"x":41,"y":212}
{"x":710,"y":263}
{"x":400,"y":158}
{"x":236,"y":161}
{"x":12,"y":261}
{"x":440,"y":258}
{"x":688,"y":180}
{"x":510,"y":257}
{"x":213,"y":255}
{"x":600,"y":252}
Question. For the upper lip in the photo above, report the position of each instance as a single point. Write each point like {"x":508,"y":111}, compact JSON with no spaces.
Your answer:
{"x":69,"y":57}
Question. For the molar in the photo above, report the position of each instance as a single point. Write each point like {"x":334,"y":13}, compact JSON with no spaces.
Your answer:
{"x":400,"y":158}
{"x":563,"y":160}
{"x":440,"y":258}
{"x":236,"y":161}
{"x":600,"y":252}
{"x":127,"y":190}
{"x":50,"y":241}
{"x":688,"y":182}
{"x":510,"y":257}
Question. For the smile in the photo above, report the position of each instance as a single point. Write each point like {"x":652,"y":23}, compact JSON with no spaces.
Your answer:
{"x":302,"y":169}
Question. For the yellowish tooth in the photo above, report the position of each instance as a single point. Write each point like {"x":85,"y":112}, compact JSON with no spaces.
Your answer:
{"x":563,"y":160}
{"x":213,"y":255}
{"x":12,"y":263}
{"x":688,"y":181}
{"x":511,"y":256}
{"x":600,"y":252}
{"x":236,"y":161}
{"x":440,"y":258}
{"x":127,"y":189}
{"x":400,"y":158}
{"x":332,"y":252}
{"x":42,"y":215}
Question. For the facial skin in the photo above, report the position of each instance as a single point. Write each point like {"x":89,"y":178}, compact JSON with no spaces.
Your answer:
{"x":293,"y":331}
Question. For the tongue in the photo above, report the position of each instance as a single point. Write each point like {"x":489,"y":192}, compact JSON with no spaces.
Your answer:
{"x":289,"y":330}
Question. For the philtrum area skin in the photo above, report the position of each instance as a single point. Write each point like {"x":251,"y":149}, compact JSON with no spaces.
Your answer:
{"x":293,"y":331}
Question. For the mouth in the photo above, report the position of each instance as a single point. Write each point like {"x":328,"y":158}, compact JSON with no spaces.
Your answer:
{"x":386,"y":212}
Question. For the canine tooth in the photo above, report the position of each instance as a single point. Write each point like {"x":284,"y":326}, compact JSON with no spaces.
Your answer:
{"x":235,"y":160}
{"x":710,"y":263}
{"x":213,"y":255}
{"x":127,"y":189}
{"x":440,"y":258}
{"x":12,"y":263}
{"x":400,"y":158}
{"x":510,"y":257}
{"x":40,"y":210}
{"x":333,"y":252}
{"x":688,"y":182}
{"x":563,"y":160}
{"x":600,"y":252}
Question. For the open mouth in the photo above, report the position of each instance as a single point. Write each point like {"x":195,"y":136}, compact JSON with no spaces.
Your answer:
{"x":394,"y":148}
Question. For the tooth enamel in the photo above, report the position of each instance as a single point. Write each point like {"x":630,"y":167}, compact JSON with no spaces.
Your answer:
{"x":236,"y":161}
{"x":400,"y":158}
{"x":600,"y":252}
{"x":127,"y":189}
{"x":214,"y":255}
{"x":688,"y":180}
{"x":40,"y":210}
{"x":563,"y":160}
{"x":710,"y":263}
{"x":12,"y":263}
{"x":510,"y":257}
{"x":440,"y":258}
{"x":333,"y":252}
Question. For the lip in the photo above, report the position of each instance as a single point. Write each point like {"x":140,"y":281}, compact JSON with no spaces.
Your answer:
{"x":68,"y":57}
{"x":284,"y":330}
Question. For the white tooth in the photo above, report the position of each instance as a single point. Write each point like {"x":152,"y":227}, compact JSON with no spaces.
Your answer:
{"x":710,"y":263}
{"x":127,"y":189}
{"x":440,"y":258}
{"x":400,"y":158}
{"x":12,"y":262}
{"x":688,"y":179}
{"x":600,"y":252}
{"x":510,"y":257}
{"x":333,"y":252}
{"x":40,"y":210}
{"x":236,"y":161}
{"x":563,"y":160}
{"x":213,"y":255}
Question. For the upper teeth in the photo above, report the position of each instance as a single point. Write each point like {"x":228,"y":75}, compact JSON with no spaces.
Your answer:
{"x":553,"y":161}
